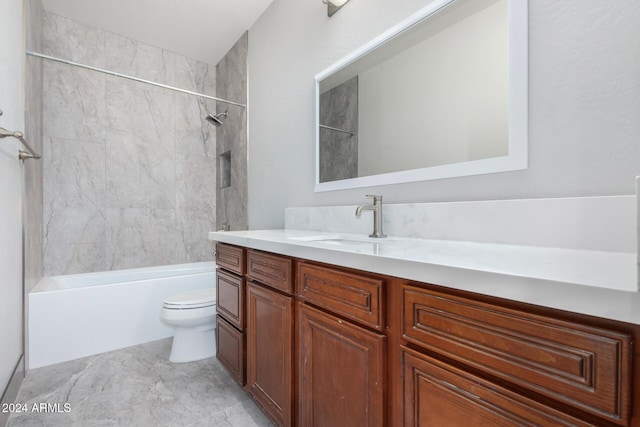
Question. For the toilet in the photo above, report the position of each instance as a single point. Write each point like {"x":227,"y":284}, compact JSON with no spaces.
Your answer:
{"x":193,"y":317}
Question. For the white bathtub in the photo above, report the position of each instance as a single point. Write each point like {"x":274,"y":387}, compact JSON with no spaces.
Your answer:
{"x":79,"y":315}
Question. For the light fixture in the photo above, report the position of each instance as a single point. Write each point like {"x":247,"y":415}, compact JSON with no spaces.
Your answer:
{"x":334,"y":5}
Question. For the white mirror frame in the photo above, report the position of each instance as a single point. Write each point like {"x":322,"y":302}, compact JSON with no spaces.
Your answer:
{"x":518,"y":107}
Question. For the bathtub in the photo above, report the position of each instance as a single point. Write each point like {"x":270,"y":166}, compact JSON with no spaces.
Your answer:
{"x":80,"y":315}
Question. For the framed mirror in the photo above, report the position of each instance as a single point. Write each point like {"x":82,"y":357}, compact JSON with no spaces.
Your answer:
{"x":443,"y":94}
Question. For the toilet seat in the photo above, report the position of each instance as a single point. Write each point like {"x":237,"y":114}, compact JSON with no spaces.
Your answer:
{"x":191,"y":300}
{"x":188,"y":306}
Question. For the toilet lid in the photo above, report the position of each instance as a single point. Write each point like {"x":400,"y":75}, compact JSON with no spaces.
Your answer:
{"x":193,"y":299}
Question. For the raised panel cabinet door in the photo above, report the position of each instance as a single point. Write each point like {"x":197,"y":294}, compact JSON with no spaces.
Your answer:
{"x":230,"y":349}
{"x":440,"y":395}
{"x":342,"y":372}
{"x":230,"y":298}
{"x":270,"y":351}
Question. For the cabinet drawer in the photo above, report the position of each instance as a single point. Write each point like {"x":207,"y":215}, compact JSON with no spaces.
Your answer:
{"x":582,"y":366}
{"x":230,"y":349}
{"x":271,"y":270}
{"x":352,"y":296}
{"x":230,"y":298}
{"x":437,"y":394}
{"x":230,"y":257}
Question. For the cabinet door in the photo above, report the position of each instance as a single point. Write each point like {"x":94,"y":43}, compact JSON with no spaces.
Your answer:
{"x":230,"y":349}
{"x":437,"y":395}
{"x":342,"y":372}
{"x":269,"y":351}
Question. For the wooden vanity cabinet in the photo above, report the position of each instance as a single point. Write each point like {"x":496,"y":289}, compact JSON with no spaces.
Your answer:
{"x":270,"y":343}
{"x":355,"y":348}
{"x":341,"y":361}
{"x":230,"y":318}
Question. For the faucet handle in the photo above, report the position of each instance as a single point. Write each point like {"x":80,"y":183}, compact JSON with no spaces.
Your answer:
{"x":225,"y":227}
{"x":376,"y":198}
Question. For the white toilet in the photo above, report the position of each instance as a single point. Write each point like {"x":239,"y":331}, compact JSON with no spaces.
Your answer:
{"x":193,"y":316}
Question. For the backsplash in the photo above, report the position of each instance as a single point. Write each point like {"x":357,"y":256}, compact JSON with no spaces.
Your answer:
{"x":590,"y":223}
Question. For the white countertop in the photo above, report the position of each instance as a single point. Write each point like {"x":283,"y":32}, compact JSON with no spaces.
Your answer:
{"x":596,"y":283}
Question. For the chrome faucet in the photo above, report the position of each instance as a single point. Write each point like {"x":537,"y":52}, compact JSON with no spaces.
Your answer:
{"x":376,"y":207}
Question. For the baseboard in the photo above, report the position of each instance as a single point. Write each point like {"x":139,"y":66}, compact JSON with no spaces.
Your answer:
{"x":11,"y":392}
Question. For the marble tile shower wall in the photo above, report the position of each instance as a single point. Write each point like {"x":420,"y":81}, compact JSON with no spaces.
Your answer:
{"x":33,"y":266}
{"x":129,"y":169}
{"x":231,"y":73}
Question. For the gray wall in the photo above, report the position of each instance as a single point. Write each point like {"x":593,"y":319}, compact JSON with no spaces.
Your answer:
{"x":231,"y":80}
{"x":129,"y":169}
{"x":583,"y":107}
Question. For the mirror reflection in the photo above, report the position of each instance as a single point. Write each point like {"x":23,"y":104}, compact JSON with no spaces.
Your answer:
{"x":436,"y":94}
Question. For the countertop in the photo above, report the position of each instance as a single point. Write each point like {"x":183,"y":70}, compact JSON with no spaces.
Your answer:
{"x":602,"y":284}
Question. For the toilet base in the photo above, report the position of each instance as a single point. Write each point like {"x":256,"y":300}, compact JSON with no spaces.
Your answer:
{"x":191,"y":344}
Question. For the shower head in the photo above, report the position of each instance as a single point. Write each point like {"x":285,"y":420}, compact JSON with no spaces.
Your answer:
{"x":214,"y":119}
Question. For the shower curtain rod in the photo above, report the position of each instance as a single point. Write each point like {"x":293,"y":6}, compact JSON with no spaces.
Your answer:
{"x":337,"y":129}
{"x":124,"y":76}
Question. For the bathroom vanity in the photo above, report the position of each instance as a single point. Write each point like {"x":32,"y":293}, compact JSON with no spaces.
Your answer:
{"x":318,"y":333}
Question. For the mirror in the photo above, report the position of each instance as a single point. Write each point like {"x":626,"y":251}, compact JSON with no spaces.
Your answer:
{"x":443,"y":94}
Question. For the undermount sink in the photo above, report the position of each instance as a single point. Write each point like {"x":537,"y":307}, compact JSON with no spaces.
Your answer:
{"x":312,"y":238}
{"x":339,"y":240}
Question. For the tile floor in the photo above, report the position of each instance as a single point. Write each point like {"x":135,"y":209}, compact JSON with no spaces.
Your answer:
{"x":136,"y":387}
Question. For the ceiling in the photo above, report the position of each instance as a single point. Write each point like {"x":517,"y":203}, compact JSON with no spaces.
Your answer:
{"x":198,"y":29}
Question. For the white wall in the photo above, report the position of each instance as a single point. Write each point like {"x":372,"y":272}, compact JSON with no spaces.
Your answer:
{"x":12,"y":104}
{"x":584,"y":70}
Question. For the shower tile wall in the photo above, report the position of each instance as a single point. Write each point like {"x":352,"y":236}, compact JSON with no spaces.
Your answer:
{"x":231,"y":74}
{"x":129,"y":169}
{"x":33,"y":132}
